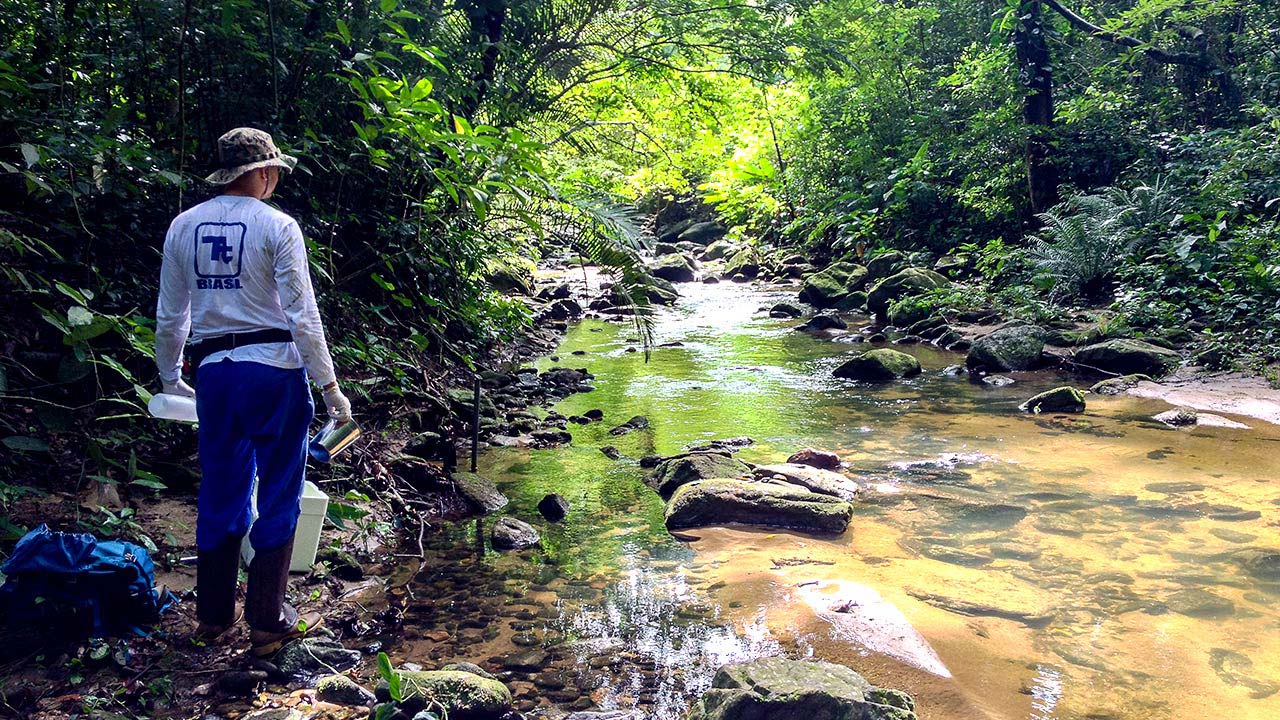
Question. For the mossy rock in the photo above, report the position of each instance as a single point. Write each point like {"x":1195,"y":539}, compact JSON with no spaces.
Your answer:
{"x":783,"y":689}
{"x":461,"y":694}
{"x":909,"y":282}
{"x":1129,"y":357}
{"x":885,"y":265}
{"x":745,"y":262}
{"x":1018,"y":347}
{"x":880,"y":366}
{"x":856,"y":300}
{"x":703,"y":232}
{"x":1063,"y":399}
{"x":722,"y":501}
{"x":719,"y":250}
{"x":1117,"y":386}
{"x":674,"y":268}
{"x":827,"y":288}
{"x":908,"y":311}
{"x":508,"y":279}
{"x":672,"y":473}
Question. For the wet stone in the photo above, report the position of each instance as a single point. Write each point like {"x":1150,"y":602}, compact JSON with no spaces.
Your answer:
{"x":1015,"y":551}
{"x":529,"y":660}
{"x":1232,"y":536}
{"x":551,"y":680}
{"x":1236,"y":669}
{"x":1230,"y":513}
{"x":315,"y":655}
{"x":1197,"y":602}
{"x":553,"y":507}
{"x":946,"y":554}
{"x":526,"y":640}
{"x":1173,"y":488}
{"x":342,"y":690}
{"x":1059,"y":525}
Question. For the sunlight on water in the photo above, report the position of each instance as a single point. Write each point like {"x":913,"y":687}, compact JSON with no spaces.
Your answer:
{"x":1100,"y":565}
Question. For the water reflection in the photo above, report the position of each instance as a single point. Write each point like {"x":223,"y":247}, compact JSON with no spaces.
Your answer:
{"x":668,"y":639}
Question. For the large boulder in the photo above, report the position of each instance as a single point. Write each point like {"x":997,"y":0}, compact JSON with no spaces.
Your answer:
{"x":674,"y":267}
{"x":460,"y":694}
{"x":912,"y":281}
{"x":703,"y":232}
{"x":721,"y":501}
{"x":671,"y":473}
{"x":782,"y":689}
{"x":823,"y":482}
{"x":882,"y":266}
{"x":1129,"y":357}
{"x":719,"y":250}
{"x":827,"y":288}
{"x":1018,"y":347}
{"x":1059,"y":400}
{"x":510,"y":279}
{"x":746,"y":263}
{"x":879,"y":366}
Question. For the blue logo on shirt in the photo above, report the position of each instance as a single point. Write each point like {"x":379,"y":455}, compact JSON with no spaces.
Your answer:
{"x":218,"y":251}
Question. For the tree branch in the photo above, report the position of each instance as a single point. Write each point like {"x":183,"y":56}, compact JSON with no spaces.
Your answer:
{"x":1171,"y":58}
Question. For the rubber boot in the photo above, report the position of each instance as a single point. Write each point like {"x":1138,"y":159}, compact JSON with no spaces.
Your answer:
{"x":216,"y":575}
{"x":272,"y":621}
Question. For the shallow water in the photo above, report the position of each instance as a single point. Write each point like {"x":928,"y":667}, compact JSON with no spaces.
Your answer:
{"x":1098,"y":565}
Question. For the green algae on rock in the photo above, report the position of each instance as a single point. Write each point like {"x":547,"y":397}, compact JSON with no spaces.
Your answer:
{"x":1064,"y":399}
{"x":672,"y":473}
{"x":827,"y":288}
{"x":458,"y":693}
{"x":912,"y":281}
{"x":783,"y":689}
{"x":1017,"y":347}
{"x":721,"y":501}
{"x":878,"y":366}
{"x":1116,"y":386}
{"x":1129,"y":357}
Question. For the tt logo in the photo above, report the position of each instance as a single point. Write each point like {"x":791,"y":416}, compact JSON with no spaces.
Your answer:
{"x":221,"y":250}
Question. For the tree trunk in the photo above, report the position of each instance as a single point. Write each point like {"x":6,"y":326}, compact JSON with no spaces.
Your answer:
{"x":1035,"y":73}
{"x":487,"y":20}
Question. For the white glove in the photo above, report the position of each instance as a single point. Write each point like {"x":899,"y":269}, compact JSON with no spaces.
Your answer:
{"x":337,"y":404}
{"x":180,"y":388}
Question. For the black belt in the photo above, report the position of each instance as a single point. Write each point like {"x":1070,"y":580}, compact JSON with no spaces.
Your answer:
{"x":203,"y":349}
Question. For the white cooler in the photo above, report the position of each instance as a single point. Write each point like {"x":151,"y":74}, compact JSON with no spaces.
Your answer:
{"x":306,"y":538}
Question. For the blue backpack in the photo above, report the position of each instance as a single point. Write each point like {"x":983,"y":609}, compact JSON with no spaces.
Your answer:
{"x":80,"y":584}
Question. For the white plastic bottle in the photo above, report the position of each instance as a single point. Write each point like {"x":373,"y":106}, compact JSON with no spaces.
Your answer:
{"x":173,"y":407}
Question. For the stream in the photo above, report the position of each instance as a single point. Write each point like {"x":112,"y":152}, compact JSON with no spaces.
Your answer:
{"x":1094,"y":566}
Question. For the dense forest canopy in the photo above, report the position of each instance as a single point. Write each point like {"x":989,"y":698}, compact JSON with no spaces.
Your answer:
{"x":1116,"y":158}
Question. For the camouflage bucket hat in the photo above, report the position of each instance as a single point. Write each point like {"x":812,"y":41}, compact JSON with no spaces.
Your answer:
{"x":245,"y":149}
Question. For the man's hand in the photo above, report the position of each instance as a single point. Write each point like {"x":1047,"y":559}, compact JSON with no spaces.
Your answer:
{"x":336,"y":403}
{"x":178,"y":388}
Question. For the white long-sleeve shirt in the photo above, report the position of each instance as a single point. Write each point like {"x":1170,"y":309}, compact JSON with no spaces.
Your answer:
{"x":235,"y":265}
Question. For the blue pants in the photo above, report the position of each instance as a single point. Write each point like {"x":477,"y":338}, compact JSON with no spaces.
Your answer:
{"x":253,"y":420}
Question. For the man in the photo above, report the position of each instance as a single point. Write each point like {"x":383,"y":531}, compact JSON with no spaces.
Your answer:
{"x":235,"y":276}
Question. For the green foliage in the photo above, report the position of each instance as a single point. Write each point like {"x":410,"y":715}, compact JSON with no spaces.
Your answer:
{"x":1081,"y":245}
{"x":120,"y":525}
{"x":392,"y":677}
